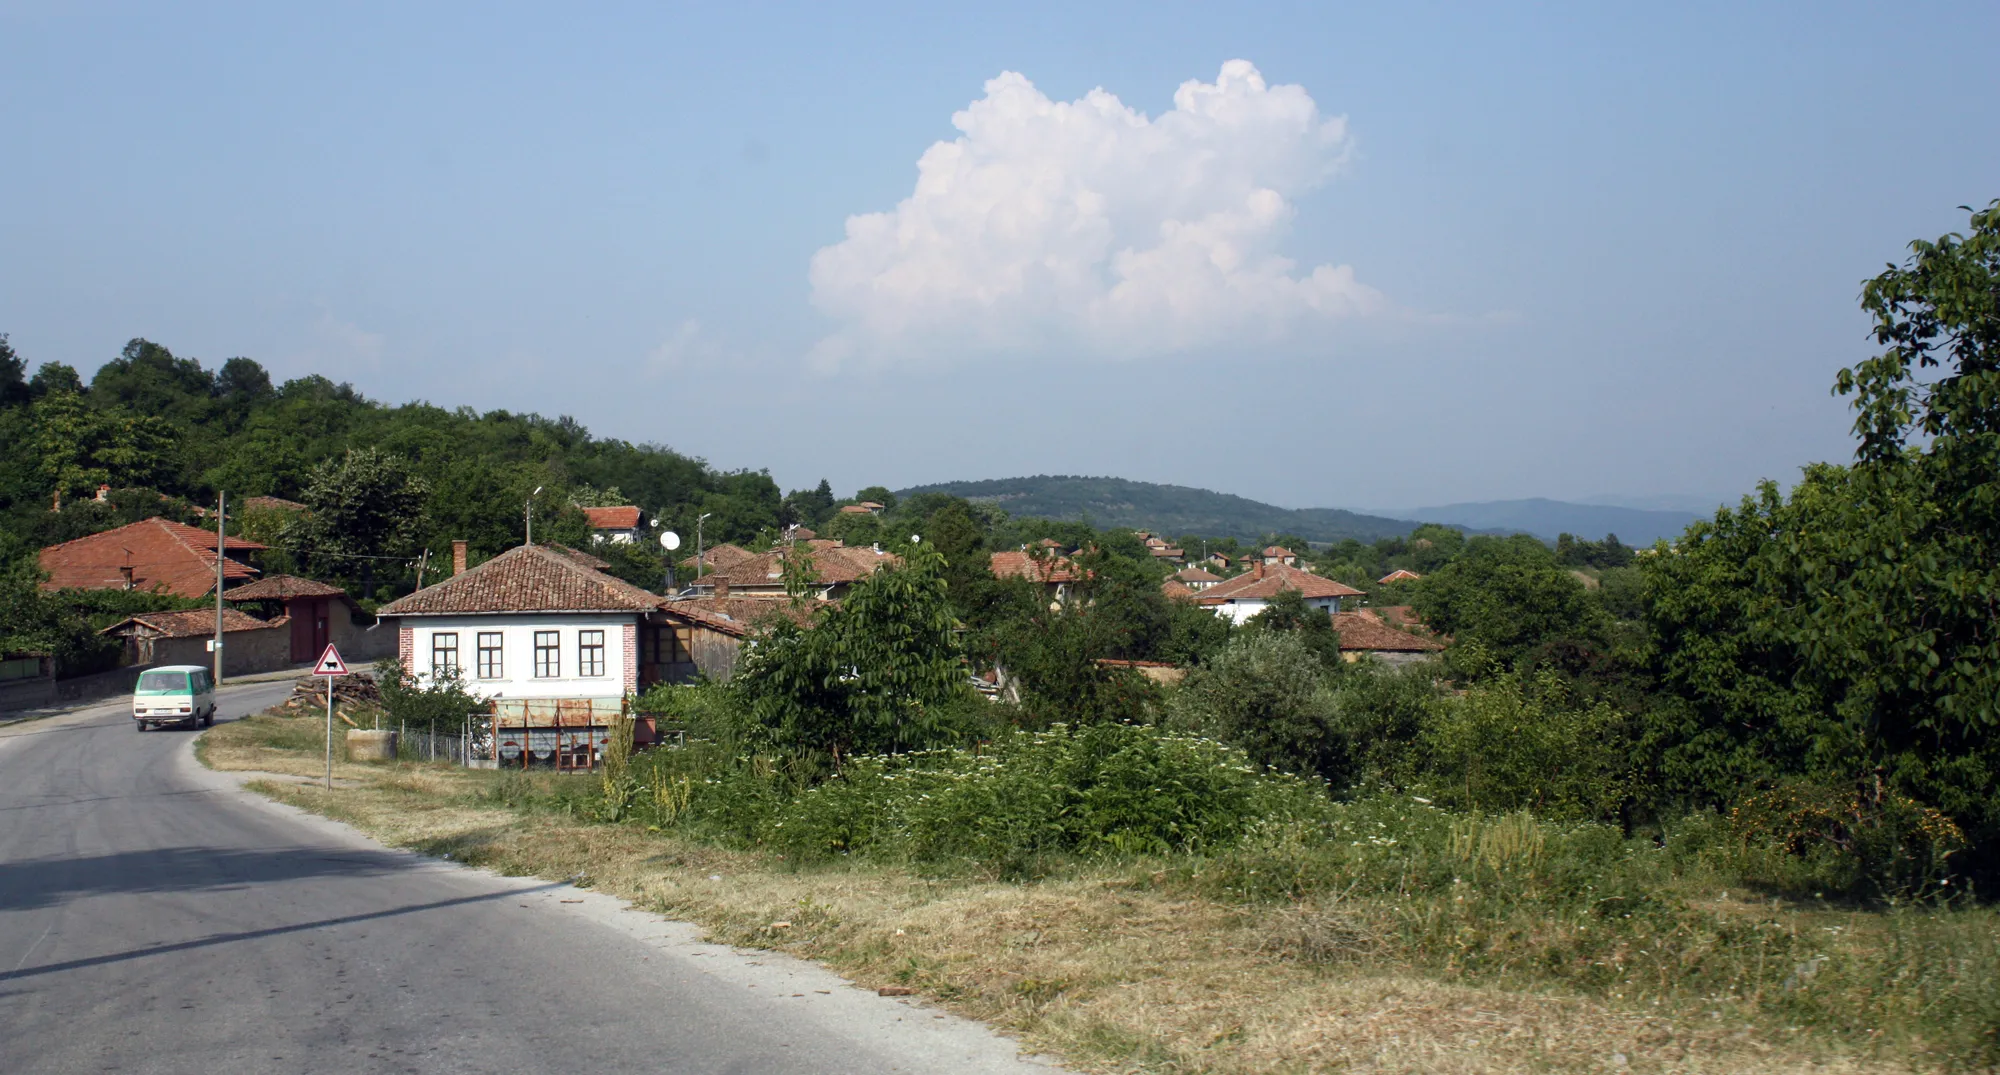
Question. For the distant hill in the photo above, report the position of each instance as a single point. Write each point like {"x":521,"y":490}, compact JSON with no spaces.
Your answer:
{"x":1168,"y":509}
{"x":1548,"y":518}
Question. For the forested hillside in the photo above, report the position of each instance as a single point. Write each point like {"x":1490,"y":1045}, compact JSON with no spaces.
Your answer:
{"x":166,"y":433}
{"x":1167,"y":509}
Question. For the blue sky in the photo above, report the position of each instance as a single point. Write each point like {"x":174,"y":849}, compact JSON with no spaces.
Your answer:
{"x":1407,"y":254}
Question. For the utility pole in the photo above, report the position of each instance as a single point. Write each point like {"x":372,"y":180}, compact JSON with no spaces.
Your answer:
{"x":221,"y":530}
{"x":699,"y":560}
{"x":530,"y":513}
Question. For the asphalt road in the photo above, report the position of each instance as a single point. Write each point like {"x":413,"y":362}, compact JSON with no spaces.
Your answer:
{"x":154,"y":918}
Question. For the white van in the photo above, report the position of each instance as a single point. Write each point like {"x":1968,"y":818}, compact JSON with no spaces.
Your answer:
{"x":174,"y":694}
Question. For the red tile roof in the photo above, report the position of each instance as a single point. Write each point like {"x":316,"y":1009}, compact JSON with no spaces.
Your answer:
{"x":526,"y":578}
{"x":1399,"y":575}
{"x":1264,"y":584}
{"x":1177,"y":591}
{"x":1196,"y":574}
{"x":1278,"y":551}
{"x":738,"y":617}
{"x":833,"y":564}
{"x":1019,"y":565}
{"x":1361,"y":631}
{"x":582,"y":557}
{"x":623,"y":517}
{"x":167,"y":556}
{"x":270,"y":503}
{"x":282,"y":588}
{"x":720,"y":557}
{"x":197,"y":624}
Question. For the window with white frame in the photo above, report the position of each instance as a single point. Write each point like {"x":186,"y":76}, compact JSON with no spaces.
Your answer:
{"x":491,"y":666}
{"x":444,"y":653}
{"x":590,"y":653}
{"x":548,"y":655}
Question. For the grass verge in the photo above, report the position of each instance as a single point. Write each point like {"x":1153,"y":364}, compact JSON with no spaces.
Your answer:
{"x":1160,"y":964}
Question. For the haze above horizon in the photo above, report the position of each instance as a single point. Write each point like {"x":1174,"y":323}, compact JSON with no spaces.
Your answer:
{"x":1317,"y":258}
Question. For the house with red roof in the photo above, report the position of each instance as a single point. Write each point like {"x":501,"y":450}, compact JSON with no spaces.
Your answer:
{"x":1247,"y":594}
{"x":156,"y":555}
{"x":1056,"y":574}
{"x":317,"y":615}
{"x":836,"y":568}
{"x":249,"y":645}
{"x":619,"y":525}
{"x":1278,"y":554}
{"x":1399,"y":575}
{"x":1364,"y":634}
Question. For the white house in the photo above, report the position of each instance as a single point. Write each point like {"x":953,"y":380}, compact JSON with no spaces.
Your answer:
{"x":1247,"y":594}
{"x":533,"y":629}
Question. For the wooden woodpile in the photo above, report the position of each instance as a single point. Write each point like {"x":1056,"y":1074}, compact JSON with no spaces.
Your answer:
{"x":310,"y":692}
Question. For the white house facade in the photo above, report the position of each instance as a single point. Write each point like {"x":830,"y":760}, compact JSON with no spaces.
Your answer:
{"x":529,"y":655}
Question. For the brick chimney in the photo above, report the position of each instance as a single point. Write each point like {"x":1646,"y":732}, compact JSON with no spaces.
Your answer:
{"x":721,"y":585}
{"x":1258,"y":570}
{"x":458,"y":557}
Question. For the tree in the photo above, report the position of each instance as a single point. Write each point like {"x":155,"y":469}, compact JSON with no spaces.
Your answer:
{"x":1509,"y":596}
{"x":55,"y":377}
{"x":1267,"y":692}
{"x":1288,"y":613}
{"x":13,"y":375}
{"x":879,"y":672}
{"x":360,"y":507}
{"x":81,"y":447}
{"x":877,"y":494}
{"x":1856,"y":624}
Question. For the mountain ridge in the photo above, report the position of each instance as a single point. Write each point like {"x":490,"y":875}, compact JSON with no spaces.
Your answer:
{"x":1181,"y":509}
{"x":1168,"y":509}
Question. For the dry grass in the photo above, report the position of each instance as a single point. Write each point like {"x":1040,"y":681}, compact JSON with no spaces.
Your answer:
{"x":1105,"y":970}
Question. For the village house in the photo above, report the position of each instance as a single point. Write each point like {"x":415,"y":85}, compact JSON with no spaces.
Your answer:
{"x":249,"y":645}
{"x":532,"y":630}
{"x":1247,"y":594}
{"x":1364,"y":634}
{"x":618,"y":525}
{"x":1056,"y":574}
{"x":1399,"y":575}
{"x":704,"y":636}
{"x":719,"y":558}
{"x":1274,"y":555}
{"x":866,"y":507}
{"x":317,"y":614}
{"x":155,"y":555}
{"x":1196,"y":578}
{"x":836,"y":568}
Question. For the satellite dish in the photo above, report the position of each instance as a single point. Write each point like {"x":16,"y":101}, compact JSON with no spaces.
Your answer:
{"x":670,"y":540}
{"x":916,"y":539}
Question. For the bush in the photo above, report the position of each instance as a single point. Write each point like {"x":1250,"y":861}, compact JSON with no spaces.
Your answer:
{"x":1517,"y":743}
{"x":1807,"y":836}
{"x":1096,"y":789}
{"x":1266,"y":692}
{"x":437,"y":703}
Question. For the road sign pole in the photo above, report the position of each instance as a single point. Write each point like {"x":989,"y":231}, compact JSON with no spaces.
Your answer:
{"x":330,"y":668}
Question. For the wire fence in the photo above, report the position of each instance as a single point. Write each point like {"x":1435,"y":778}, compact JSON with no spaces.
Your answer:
{"x":456,"y":747}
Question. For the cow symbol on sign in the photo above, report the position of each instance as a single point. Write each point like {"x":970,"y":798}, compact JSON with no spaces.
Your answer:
{"x":330,"y":663}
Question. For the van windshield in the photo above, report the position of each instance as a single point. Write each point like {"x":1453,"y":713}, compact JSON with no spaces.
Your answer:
{"x":163,"y":683}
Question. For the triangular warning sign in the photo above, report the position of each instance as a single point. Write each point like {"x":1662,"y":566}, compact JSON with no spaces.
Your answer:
{"x":330,"y":663}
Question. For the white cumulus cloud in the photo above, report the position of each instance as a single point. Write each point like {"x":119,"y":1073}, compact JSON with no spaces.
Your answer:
{"x":1087,"y":225}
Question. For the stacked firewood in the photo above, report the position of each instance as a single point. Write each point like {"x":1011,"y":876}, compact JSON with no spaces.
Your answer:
{"x":310,"y":692}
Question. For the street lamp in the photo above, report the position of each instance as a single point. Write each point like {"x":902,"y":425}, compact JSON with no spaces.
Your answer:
{"x":700,"y":561}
